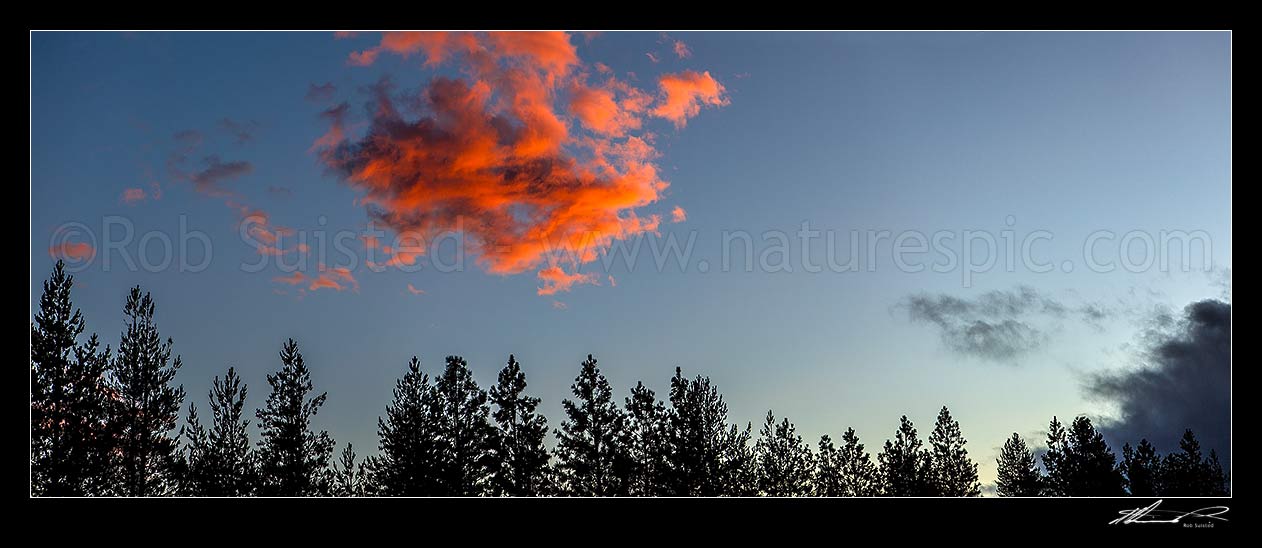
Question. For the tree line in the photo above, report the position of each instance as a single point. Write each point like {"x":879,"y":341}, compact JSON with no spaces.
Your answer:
{"x":107,"y":422}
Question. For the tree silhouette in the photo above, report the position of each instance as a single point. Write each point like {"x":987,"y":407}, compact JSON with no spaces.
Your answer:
{"x":953,"y":473}
{"x":1079,"y":463}
{"x":409,"y":449}
{"x":347,"y":479}
{"x":706,"y":455}
{"x":1018,"y":474}
{"x":647,"y":443}
{"x":1187,"y":474}
{"x":218,"y":461}
{"x":591,"y":447}
{"x":465,"y":435}
{"x":905,"y":469}
{"x":292,"y":458}
{"x":785,"y":463}
{"x":71,"y":435}
{"x":148,"y":406}
{"x":845,"y":471}
{"x":521,"y":459}
{"x":1142,"y":467}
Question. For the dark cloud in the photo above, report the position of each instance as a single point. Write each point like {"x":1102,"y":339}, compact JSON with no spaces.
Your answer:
{"x":1184,"y":383}
{"x":208,"y":180}
{"x":188,"y":139}
{"x":993,"y":326}
{"x":997,"y":325}
{"x":321,"y":93}
{"x":241,"y":132}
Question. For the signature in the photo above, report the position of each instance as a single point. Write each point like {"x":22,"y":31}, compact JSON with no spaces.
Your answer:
{"x":1152,"y":514}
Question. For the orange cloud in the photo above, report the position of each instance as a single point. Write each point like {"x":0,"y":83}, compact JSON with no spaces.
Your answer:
{"x":682,"y":49}
{"x":132,"y":196}
{"x":678,"y":215}
{"x":336,"y":278}
{"x":556,"y":280}
{"x":74,"y":251}
{"x":685,"y":93}
{"x":413,"y":290}
{"x":530,"y":154}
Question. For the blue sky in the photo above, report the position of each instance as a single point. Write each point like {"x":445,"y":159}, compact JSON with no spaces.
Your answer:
{"x":1069,"y":133}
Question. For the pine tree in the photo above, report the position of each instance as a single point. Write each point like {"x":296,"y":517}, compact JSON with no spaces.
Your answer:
{"x":409,"y":448}
{"x":647,"y":449}
{"x":785,"y":463}
{"x":591,"y":447}
{"x":1018,"y":474}
{"x":520,"y":457}
{"x":1142,"y":467}
{"x":346,"y":478}
{"x":71,"y":439}
{"x":953,"y":473}
{"x":1079,"y":463}
{"x":218,"y":461}
{"x":464,"y":431}
{"x":1187,"y":474}
{"x":905,"y":468}
{"x":706,"y":456}
{"x":148,"y":406}
{"x":845,"y":471}
{"x":292,"y":458}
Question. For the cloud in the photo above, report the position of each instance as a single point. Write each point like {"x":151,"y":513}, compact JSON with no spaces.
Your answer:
{"x":997,"y":325}
{"x":344,"y":34}
{"x":653,"y":57}
{"x":413,"y":290}
{"x":612,"y":281}
{"x":132,"y":196}
{"x":72,"y":251}
{"x":528,"y":152}
{"x":685,"y":93}
{"x":682,"y":49}
{"x":321,"y":93}
{"x":241,"y":132}
{"x":1185,"y":382}
{"x":559,"y":305}
{"x":280,"y":191}
{"x":336,"y":278}
{"x":556,"y":280}
{"x":216,"y":171}
{"x":678,"y":215}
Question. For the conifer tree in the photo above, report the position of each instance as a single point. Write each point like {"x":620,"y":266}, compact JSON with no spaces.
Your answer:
{"x":1142,"y":467}
{"x":409,"y":447}
{"x":647,"y":449}
{"x":348,"y":479}
{"x":1079,"y":463}
{"x":905,"y":468}
{"x":1018,"y":474}
{"x":785,"y":463}
{"x":591,"y":447}
{"x":845,"y":471}
{"x":1186,"y":473}
{"x":71,"y":439}
{"x":520,"y":457}
{"x":953,"y":473}
{"x":706,"y":455}
{"x":464,"y":431}
{"x":218,"y":461}
{"x":148,"y":405}
{"x":292,"y":457}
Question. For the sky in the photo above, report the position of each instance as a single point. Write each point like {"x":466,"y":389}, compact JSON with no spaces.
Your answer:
{"x":318,"y":186}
